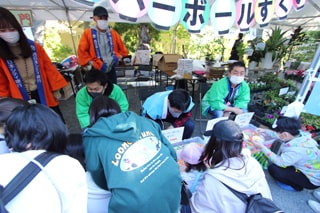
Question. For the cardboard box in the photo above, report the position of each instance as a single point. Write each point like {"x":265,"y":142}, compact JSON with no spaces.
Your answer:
{"x":167,"y":62}
{"x":155,"y":59}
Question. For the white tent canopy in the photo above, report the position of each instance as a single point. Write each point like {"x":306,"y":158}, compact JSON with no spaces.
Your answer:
{"x":62,"y":10}
{"x":81,"y":10}
{"x":308,"y":17}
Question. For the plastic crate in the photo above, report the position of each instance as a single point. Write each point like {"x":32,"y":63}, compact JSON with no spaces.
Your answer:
{"x":189,"y":140}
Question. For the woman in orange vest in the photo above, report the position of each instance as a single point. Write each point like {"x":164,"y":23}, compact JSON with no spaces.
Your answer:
{"x":26,"y":71}
{"x":101,"y":47}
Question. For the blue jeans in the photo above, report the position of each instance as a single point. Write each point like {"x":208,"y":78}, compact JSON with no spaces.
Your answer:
{"x":219,"y":113}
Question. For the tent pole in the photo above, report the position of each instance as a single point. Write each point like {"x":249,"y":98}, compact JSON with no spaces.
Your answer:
{"x":70,"y":28}
{"x":73,"y":43}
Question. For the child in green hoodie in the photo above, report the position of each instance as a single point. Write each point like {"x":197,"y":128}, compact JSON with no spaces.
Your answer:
{"x":128,"y":155}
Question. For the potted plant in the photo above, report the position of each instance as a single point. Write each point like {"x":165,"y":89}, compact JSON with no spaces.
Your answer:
{"x":275,"y":47}
{"x":209,"y":59}
{"x":255,"y":53}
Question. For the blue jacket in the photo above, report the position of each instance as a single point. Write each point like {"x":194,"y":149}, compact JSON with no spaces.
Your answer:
{"x":156,"y":105}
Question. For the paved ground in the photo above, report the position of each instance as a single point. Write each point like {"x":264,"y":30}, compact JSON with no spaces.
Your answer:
{"x":290,"y":202}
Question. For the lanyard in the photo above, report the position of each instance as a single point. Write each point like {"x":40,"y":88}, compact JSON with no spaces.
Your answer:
{"x":233,"y":92}
{"x":96,"y":43}
{"x":17,"y":78}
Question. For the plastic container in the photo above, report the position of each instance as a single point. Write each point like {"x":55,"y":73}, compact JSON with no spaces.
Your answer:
{"x":189,"y":140}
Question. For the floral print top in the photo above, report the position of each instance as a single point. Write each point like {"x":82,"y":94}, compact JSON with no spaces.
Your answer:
{"x":301,"y":152}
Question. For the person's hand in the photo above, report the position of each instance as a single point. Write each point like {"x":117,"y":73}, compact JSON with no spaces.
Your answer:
{"x":87,"y":67}
{"x":57,"y":94}
{"x":257,"y":141}
{"x":237,"y":110}
{"x":226,"y":114}
{"x":170,"y":127}
{"x":104,"y":67}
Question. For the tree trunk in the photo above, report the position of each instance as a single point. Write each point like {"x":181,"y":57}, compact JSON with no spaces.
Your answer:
{"x":144,"y":38}
{"x":174,"y":40}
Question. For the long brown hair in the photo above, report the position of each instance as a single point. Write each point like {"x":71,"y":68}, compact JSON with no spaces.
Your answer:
{"x":7,"y":20}
{"x":217,"y":152}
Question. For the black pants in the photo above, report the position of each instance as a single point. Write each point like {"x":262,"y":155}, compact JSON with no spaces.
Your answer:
{"x":290,"y":176}
{"x":112,"y":76}
{"x":35,"y":95}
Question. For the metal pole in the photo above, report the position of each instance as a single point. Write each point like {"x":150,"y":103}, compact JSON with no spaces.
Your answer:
{"x":309,"y":77}
{"x":70,"y":27}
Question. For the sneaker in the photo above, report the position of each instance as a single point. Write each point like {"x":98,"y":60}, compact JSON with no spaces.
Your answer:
{"x":316,"y":194}
{"x":285,"y":186}
{"x":314,"y":205}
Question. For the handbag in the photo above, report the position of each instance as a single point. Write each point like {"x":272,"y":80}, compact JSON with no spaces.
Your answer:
{"x":256,"y":203}
{"x":23,"y":178}
{"x":186,"y":194}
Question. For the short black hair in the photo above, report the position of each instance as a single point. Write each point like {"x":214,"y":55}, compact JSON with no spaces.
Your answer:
{"x":102,"y":106}
{"x":94,"y":75}
{"x":7,"y":105}
{"x":179,"y":99}
{"x":42,"y":128}
{"x":236,"y":64}
{"x":288,"y":124}
{"x":75,"y":148}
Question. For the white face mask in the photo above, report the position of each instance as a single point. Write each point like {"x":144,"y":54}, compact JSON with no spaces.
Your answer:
{"x":236,"y":79}
{"x":173,"y":113}
{"x":102,"y":24}
{"x":10,"y":37}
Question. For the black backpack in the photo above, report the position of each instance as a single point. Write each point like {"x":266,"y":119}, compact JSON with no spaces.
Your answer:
{"x":185,"y":196}
{"x":256,"y":203}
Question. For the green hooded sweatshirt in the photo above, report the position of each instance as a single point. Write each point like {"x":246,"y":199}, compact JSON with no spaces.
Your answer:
{"x":128,"y":155}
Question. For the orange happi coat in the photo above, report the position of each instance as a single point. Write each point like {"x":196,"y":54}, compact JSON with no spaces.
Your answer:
{"x":86,"y":51}
{"x":51,"y":78}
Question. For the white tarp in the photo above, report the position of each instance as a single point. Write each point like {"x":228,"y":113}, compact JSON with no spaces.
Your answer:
{"x":308,"y":17}
{"x":81,"y":10}
{"x":63,"y":10}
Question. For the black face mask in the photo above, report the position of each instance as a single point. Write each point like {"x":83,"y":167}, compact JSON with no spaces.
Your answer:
{"x":95,"y":94}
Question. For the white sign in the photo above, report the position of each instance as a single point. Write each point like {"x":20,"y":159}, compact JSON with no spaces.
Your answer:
{"x":212,"y":122}
{"x":173,"y":135}
{"x":244,"y":119}
{"x":141,"y":57}
{"x":283,"y":91}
